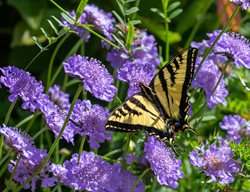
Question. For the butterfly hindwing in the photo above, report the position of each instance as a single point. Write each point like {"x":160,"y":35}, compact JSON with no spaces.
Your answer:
{"x":135,"y":114}
{"x":172,"y":82}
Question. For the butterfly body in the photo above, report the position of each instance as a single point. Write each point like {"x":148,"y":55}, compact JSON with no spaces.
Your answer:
{"x":160,"y":108}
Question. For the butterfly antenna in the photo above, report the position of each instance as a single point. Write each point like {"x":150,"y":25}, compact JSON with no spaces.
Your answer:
{"x":173,"y":148}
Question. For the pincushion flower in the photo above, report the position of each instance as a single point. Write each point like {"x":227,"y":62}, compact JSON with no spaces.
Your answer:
{"x":245,"y":3}
{"x":163,"y":162}
{"x":94,"y":174}
{"x":216,"y":162}
{"x":23,"y":85}
{"x":101,"y":21}
{"x":207,"y":78}
{"x":236,"y":127}
{"x":139,"y":70}
{"x":96,"y":78}
{"x":90,"y":120}
{"x":55,"y":118}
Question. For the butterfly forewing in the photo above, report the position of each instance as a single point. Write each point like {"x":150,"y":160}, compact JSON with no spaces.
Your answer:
{"x":135,"y":114}
{"x":172,"y":82}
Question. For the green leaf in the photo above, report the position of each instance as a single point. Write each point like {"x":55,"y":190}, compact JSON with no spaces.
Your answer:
{"x":175,"y":13}
{"x":160,"y":13}
{"x":128,"y":1}
{"x":57,"y":20}
{"x":68,"y":19}
{"x":118,"y":40}
{"x":130,"y":36}
{"x":80,"y":8}
{"x":38,"y":43}
{"x":45,"y":33}
{"x":131,"y":10}
{"x":120,"y":5}
{"x":173,"y":6}
{"x":118,"y":17}
{"x":53,"y":26}
{"x":165,"y":6}
{"x":136,"y":22}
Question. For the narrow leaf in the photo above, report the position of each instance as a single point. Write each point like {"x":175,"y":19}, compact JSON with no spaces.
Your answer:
{"x":173,"y":6}
{"x":128,"y":1}
{"x":118,"y":17}
{"x":118,"y":40}
{"x":57,"y":20}
{"x":157,"y":11}
{"x":136,"y":22}
{"x":131,"y":10}
{"x":175,"y":13}
{"x":120,"y":5}
{"x":80,"y":8}
{"x":45,"y":33}
{"x":52,"y":26}
{"x":38,"y":43}
{"x":130,"y":35}
{"x":68,"y":19}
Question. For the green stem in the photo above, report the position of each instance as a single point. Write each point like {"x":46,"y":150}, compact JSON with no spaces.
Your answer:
{"x":5,"y":157}
{"x":55,"y":142}
{"x":27,"y":119}
{"x":113,"y":152}
{"x":40,"y":132}
{"x":139,"y":178}
{"x":53,"y":59}
{"x":33,"y":59}
{"x":81,"y":148}
{"x":36,"y":114}
{"x":12,"y":175}
{"x":208,"y":51}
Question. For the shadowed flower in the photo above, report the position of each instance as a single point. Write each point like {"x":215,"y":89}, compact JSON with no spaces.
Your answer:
{"x":245,"y":3}
{"x":55,"y":118}
{"x":90,"y":120}
{"x":59,"y":98}
{"x":163,"y":162}
{"x":216,"y":162}
{"x":101,"y":20}
{"x":142,"y":67}
{"x":96,"y":78}
{"x":94,"y":174}
{"x":23,"y":85}
{"x":236,"y":127}
{"x":207,"y":78}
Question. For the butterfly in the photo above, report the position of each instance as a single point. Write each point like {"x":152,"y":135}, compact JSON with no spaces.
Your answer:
{"x":160,"y":108}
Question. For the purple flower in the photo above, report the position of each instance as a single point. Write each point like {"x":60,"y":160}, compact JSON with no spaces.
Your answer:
{"x":101,"y":20}
{"x":142,"y":67}
{"x":245,"y":3}
{"x":59,"y":98}
{"x":216,"y":162}
{"x":130,"y":158}
{"x":17,"y":140}
{"x":55,"y":118}
{"x":90,"y":120}
{"x":94,"y":174}
{"x":23,"y":85}
{"x":163,"y":162}
{"x":236,"y":127}
{"x":207,"y":79}
{"x":96,"y":78}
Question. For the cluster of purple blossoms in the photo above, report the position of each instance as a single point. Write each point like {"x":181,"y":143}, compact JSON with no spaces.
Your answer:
{"x":94,"y":174}
{"x":236,"y":127}
{"x":96,"y":78}
{"x":30,"y":158}
{"x":230,"y":47}
{"x":59,"y":98}
{"x":163,"y":162}
{"x":101,"y":20}
{"x":23,"y":85}
{"x":139,"y":70}
{"x":90,"y":120}
{"x":216,"y":162}
{"x":245,"y":3}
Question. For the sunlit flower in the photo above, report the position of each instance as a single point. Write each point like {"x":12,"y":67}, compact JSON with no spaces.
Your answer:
{"x":96,"y":78}
{"x":23,"y":85}
{"x":163,"y":162}
{"x":216,"y":162}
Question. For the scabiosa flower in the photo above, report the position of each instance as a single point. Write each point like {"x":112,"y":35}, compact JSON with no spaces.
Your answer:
{"x":216,"y":162}
{"x":22,"y":85}
{"x":236,"y":127}
{"x":96,"y":78}
{"x":101,"y":20}
{"x":207,"y":79}
{"x":59,"y":98}
{"x":245,"y":3}
{"x":55,"y":118}
{"x":163,"y":162}
{"x":17,"y":140}
{"x":94,"y":174}
{"x":142,"y":68}
{"x":90,"y":120}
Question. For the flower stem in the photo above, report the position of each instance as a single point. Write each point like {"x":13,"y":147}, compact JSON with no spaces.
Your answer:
{"x":208,"y":51}
{"x":81,"y":148}
{"x":55,"y":142}
{"x":139,"y":178}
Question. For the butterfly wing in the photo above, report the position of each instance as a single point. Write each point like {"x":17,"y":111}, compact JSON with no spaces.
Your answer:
{"x":171,"y":84}
{"x":135,"y":114}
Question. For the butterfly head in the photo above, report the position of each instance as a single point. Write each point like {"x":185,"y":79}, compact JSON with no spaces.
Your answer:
{"x":172,"y":127}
